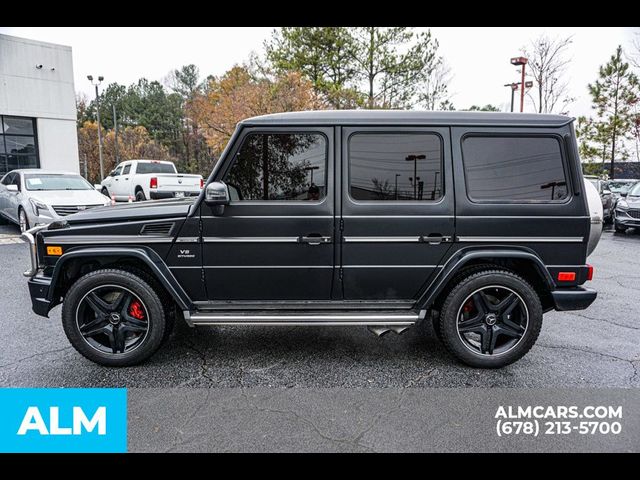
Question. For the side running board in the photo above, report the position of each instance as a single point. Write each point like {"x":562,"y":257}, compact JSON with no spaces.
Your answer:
{"x":333,"y":319}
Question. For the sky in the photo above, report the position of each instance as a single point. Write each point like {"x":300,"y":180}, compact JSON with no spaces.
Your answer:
{"x":478,"y":56}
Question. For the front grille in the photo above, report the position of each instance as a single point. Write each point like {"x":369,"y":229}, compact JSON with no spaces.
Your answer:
{"x":634,"y":213}
{"x":64,"y":210}
{"x":157,"y":229}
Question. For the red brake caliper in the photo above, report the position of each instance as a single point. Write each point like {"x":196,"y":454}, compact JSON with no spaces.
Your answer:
{"x":135,"y":310}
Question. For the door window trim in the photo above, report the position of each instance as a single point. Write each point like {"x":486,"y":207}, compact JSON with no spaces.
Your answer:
{"x":279,"y":130}
{"x":398,"y":131}
{"x":563,"y":158}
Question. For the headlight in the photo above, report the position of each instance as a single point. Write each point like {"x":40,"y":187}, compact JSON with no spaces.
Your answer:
{"x":622,"y":204}
{"x":38,"y":207}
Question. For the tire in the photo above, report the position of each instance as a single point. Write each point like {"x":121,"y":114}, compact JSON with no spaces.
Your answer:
{"x":23,"y":220}
{"x":100,"y":348}
{"x":140,"y":196}
{"x":619,"y":228}
{"x":463,"y":273}
{"x":527,"y":314}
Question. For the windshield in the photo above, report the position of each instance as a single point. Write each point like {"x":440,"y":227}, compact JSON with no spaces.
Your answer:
{"x":152,"y":167}
{"x":635,"y":191}
{"x":621,"y":187}
{"x":56,"y":182}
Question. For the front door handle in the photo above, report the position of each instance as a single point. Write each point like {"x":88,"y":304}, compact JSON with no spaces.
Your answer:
{"x":314,"y":239}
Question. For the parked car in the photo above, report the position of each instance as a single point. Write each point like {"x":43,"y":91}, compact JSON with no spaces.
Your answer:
{"x":619,"y":188}
{"x":606,"y":196}
{"x":628,"y":210}
{"x":478,"y":222}
{"x":140,"y":180}
{"x":33,"y":197}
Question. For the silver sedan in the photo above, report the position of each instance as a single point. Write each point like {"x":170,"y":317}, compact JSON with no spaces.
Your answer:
{"x":34,"y":197}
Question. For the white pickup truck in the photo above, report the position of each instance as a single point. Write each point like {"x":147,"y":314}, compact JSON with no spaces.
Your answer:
{"x":140,"y":180}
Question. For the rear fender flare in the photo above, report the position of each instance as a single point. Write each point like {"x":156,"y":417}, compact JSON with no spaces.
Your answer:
{"x":464,"y":256}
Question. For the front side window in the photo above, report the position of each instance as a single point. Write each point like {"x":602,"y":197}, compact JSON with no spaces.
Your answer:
{"x":127,"y":169}
{"x":279,"y":166}
{"x":395,"y":166}
{"x":514,"y":169}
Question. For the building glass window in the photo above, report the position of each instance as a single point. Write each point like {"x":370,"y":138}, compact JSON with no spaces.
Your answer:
{"x":18,"y":144}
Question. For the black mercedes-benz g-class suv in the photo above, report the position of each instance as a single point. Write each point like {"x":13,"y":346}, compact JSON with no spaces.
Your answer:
{"x":477,"y":221}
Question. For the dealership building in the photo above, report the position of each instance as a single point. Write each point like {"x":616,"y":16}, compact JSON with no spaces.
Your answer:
{"x":37,"y":106}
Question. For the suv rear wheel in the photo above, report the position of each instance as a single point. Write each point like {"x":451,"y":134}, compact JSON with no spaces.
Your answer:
{"x":490,"y":319}
{"x":113,"y":317}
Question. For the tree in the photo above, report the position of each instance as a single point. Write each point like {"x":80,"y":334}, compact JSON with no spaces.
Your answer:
{"x":614,"y":96}
{"x":547,"y":65}
{"x":434,"y":94}
{"x":238,"y":94}
{"x":321,"y":54}
{"x":593,"y":139}
{"x":392,"y":62}
{"x":133,"y":142}
{"x":486,"y":108}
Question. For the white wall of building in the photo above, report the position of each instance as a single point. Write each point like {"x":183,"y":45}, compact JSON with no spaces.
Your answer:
{"x":54,"y":153}
{"x":45,"y":93}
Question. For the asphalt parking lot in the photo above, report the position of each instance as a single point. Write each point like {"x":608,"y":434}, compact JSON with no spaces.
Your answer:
{"x":599,"y":347}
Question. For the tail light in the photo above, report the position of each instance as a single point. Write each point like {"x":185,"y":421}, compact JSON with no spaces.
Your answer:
{"x":201,"y":183}
{"x":153,"y":183}
{"x":589,"y":272}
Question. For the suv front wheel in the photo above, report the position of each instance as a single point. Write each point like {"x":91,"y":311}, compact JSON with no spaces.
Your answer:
{"x":113,"y":317}
{"x":490,"y":319}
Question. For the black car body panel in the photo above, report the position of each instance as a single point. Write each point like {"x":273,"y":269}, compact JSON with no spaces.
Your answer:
{"x":339,"y":252}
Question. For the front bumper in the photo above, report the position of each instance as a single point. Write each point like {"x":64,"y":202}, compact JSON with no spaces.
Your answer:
{"x":623,"y":218}
{"x":39,"y":291}
{"x":576,"y":298}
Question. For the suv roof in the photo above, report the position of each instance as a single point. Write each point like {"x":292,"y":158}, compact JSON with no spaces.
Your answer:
{"x":408,"y":117}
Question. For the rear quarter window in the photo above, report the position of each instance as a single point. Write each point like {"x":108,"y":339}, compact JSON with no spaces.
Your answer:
{"x":514,"y":169}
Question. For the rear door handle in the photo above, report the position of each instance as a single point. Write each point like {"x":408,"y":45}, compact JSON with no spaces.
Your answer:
{"x":435,"y":239}
{"x":314,"y":239}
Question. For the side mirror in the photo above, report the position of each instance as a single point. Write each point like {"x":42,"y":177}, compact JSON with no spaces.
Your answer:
{"x":624,"y":194}
{"x":217,"y":196}
{"x":12,"y":188}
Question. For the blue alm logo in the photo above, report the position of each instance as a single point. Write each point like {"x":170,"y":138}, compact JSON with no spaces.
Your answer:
{"x":56,"y":420}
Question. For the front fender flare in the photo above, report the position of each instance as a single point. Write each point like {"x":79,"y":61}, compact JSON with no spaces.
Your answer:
{"x":157,"y":266}
{"x":464,"y":256}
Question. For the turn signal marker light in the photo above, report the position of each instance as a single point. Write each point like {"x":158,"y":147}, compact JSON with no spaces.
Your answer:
{"x":54,"y":251}
{"x":589,"y":272}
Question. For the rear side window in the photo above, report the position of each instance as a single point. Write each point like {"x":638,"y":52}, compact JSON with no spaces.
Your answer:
{"x":152,"y":167}
{"x":514,"y":169}
{"x":395,"y":166}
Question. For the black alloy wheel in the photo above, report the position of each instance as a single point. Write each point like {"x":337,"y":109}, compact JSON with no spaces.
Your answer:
{"x":492,"y":320}
{"x":115,"y":317}
{"x":112,"y":319}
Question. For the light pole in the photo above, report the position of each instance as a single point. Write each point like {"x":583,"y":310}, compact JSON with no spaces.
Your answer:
{"x":115,"y":131}
{"x":397,"y":175}
{"x":311,"y":169}
{"x":100,"y":79}
{"x":514,"y":87}
{"x":414,"y":159}
{"x":522,"y":63}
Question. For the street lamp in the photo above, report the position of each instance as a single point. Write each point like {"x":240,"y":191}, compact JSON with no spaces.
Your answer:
{"x":95,"y":84}
{"x":311,"y":169}
{"x":514,"y":87}
{"x":414,"y":159}
{"x":397,"y":175}
{"x":521,"y":62}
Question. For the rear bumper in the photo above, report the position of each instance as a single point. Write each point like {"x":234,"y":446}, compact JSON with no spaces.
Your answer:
{"x":164,"y":194}
{"x":39,"y":292}
{"x":577,"y":298}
